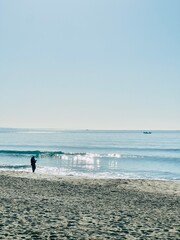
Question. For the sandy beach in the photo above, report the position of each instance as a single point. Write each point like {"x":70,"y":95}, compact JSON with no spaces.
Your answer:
{"x":34,"y":206}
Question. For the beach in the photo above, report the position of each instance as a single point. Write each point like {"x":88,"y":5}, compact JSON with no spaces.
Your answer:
{"x":39,"y":206}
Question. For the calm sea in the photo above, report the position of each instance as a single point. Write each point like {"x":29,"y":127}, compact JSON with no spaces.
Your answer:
{"x":99,"y":154}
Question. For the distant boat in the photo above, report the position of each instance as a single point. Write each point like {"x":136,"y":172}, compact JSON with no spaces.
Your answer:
{"x":147,"y":132}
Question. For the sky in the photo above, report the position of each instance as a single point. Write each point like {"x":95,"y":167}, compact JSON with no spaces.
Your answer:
{"x":88,"y":64}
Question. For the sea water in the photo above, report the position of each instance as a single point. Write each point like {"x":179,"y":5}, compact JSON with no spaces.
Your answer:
{"x":90,"y":153}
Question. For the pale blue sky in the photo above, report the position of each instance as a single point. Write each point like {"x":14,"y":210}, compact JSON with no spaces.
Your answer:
{"x":96,"y":64}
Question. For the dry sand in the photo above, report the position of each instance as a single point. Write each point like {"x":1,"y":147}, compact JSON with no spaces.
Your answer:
{"x":34,"y":206}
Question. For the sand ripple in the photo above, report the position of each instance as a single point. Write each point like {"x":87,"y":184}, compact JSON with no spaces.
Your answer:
{"x":72,"y":208}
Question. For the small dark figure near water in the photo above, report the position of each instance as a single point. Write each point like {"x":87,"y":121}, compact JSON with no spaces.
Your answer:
{"x":33,"y":163}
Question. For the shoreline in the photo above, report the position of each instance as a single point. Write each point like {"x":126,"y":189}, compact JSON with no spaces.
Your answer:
{"x":166,"y":186}
{"x":51,"y":175}
{"x":38,"y":206}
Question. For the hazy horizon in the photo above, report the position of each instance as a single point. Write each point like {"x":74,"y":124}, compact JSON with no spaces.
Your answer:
{"x":85,"y":129}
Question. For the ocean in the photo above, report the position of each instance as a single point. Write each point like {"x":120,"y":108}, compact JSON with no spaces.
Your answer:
{"x":92,"y":153}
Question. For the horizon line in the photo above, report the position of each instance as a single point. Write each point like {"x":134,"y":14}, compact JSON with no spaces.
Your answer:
{"x":87,"y":129}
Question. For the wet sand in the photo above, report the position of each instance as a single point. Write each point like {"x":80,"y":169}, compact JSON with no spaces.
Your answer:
{"x":34,"y":206}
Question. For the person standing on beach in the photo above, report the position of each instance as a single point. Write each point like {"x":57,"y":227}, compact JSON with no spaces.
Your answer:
{"x":33,"y":163}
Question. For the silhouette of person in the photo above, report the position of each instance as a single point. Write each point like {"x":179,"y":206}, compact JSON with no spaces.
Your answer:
{"x":33,"y":163}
